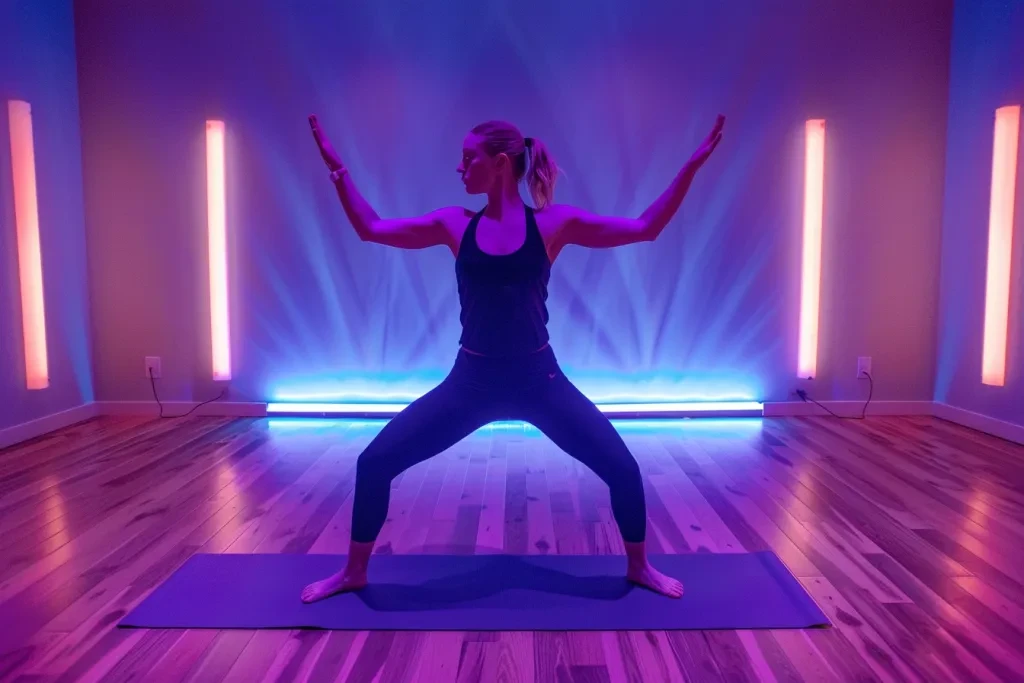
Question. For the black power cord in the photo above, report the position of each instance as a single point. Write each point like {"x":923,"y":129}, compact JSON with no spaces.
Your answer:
{"x":864,"y":411}
{"x":152,"y":383}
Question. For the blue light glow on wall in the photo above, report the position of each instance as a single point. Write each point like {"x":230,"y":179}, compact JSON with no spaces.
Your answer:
{"x":328,"y":318}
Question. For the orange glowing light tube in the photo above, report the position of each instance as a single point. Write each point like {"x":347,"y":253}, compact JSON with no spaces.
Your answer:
{"x":30,"y":261}
{"x":810,"y":272}
{"x":1000,"y":245}
{"x":218,"y":250}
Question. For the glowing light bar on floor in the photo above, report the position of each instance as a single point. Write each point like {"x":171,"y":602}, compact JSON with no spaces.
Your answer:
{"x":729,"y":428}
{"x":220,"y":331}
{"x":702,"y":408}
{"x":810,"y":272}
{"x":1000,"y":245}
{"x":687,"y":407}
{"x":30,"y":260}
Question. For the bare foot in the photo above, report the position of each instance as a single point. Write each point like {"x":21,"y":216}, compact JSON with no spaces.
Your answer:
{"x":336,"y":583}
{"x":649,"y":577}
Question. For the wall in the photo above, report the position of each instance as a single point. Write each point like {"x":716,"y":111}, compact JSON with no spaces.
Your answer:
{"x":37,"y":64}
{"x":622,"y":93}
{"x":987,"y":72}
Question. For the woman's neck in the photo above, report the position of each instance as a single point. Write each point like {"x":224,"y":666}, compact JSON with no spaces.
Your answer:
{"x":502,"y":200}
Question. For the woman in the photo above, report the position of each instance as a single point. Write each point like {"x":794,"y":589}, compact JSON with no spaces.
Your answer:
{"x":505,"y":368}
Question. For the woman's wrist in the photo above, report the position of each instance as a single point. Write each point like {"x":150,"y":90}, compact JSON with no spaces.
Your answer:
{"x":338,"y":173}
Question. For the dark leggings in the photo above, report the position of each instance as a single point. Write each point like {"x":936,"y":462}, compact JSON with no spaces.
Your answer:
{"x":480,"y":390}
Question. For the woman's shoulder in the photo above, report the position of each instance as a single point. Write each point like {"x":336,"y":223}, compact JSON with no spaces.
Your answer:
{"x":455,"y":220}
{"x":455,"y":214}
{"x":552,"y":217}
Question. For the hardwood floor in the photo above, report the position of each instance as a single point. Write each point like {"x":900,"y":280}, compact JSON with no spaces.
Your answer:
{"x":907,"y":531}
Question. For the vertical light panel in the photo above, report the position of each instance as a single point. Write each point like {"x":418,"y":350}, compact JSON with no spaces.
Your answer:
{"x":1000,"y":245}
{"x":218,"y":247}
{"x":810,"y":270}
{"x":30,"y":260}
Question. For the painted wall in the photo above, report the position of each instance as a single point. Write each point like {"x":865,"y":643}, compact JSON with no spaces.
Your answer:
{"x":37,"y":65}
{"x":987,"y":72}
{"x":621,"y":93}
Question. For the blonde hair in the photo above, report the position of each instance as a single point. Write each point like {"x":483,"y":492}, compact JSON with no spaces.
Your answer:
{"x":529,"y":157}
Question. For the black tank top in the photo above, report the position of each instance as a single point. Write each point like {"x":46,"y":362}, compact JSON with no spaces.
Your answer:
{"x":504,"y":311}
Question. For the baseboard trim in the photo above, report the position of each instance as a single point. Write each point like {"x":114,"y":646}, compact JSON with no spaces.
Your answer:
{"x":979,"y":422}
{"x":45,"y":425}
{"x":847,"y":408}
{"x":965,"y":418}
{"x":172,"y":408}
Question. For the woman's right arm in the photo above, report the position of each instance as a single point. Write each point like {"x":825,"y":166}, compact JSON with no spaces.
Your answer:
{"x":440,"y":227}
{"x":436,"y":228}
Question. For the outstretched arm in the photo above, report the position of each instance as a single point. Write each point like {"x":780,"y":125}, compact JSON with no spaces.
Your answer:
{"x":419,"y":232}
{"x":586,"y":229}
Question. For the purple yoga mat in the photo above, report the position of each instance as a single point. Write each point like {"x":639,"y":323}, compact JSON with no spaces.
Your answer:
{"x":480,"y":593}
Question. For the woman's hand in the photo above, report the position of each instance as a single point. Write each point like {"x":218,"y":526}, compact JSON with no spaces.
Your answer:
{"x":330,"y":157}
{"x":709,"y":144}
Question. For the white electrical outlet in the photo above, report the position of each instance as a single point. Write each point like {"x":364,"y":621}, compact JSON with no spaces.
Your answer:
{"x":153,"y":367}
{"x":863,"y":366}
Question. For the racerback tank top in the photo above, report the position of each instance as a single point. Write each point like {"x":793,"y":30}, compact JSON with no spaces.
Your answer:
{"x":503,"y":298}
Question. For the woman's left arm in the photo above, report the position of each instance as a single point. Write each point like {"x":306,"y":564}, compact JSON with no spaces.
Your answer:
{"x":585,"y":229}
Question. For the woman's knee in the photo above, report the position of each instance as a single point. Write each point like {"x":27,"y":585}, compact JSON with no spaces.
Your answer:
{"x":619,"y":468}
{"x":375,"y":463}
{"x":628,"y":469}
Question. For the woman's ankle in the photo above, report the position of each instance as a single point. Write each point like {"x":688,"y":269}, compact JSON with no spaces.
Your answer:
{"x":636,"y":554}
{"x":358,"y":557}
